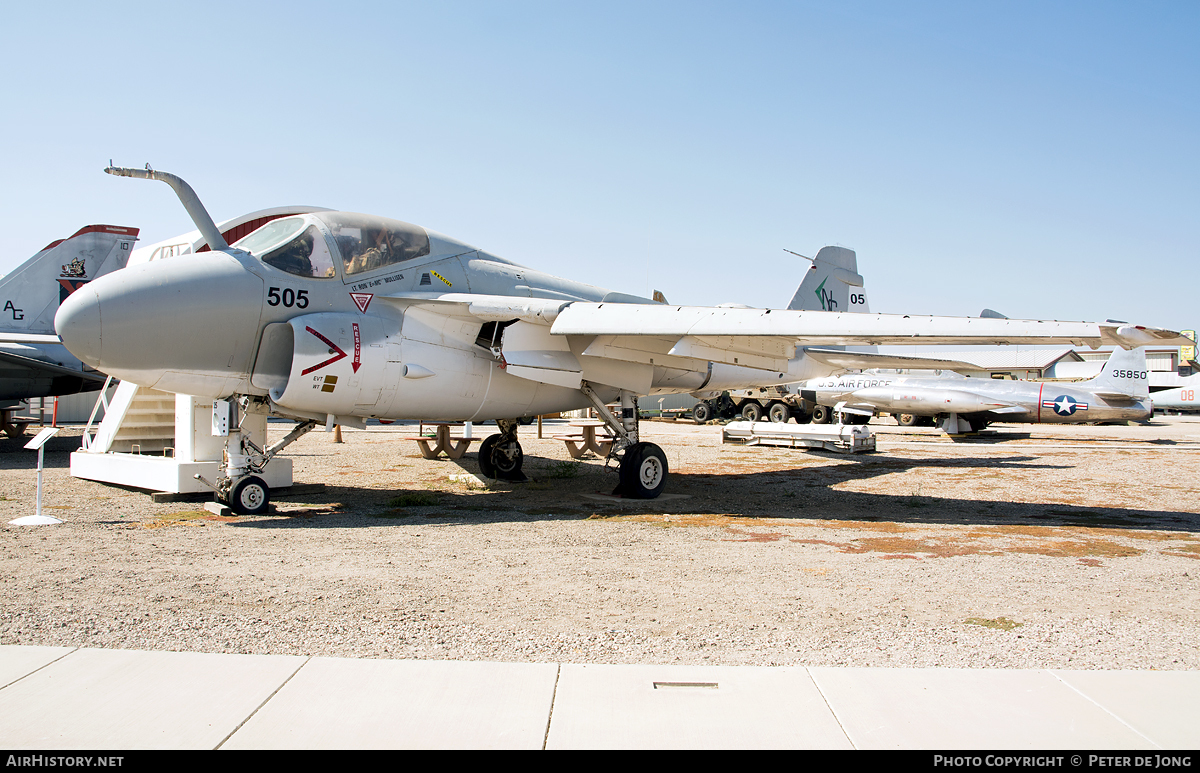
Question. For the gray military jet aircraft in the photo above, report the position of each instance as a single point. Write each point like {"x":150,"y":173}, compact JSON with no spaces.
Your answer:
{"x":33,"y":362}
{"x":335,"y":317}
{"x":1120,"y":393}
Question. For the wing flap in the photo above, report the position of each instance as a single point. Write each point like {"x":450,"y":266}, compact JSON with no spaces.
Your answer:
{"x":864,"y":360}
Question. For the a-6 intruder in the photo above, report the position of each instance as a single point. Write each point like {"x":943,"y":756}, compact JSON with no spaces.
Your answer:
{"x":335,"y":317}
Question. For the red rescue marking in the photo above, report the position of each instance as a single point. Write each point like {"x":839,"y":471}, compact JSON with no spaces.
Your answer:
{"x":357,"y":348}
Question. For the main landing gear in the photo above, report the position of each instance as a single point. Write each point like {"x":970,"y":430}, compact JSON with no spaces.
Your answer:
{"x":500,"y":455}
{"x":643,"y":468}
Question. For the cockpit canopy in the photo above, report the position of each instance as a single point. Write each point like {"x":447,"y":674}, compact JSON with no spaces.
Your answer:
{"x":311,"y":245}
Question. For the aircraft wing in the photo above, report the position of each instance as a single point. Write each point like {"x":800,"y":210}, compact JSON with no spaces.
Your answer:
{"x":29,"y":338}
{"x":864,"y":360}
{"x":41,"y":366}
{"x":766,"y":338}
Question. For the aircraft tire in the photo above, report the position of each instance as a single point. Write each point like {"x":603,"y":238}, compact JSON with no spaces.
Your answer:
{"x":821,"y":414}
{"x":907,"y":420}
{"x":752,"y":411}
{"x":500,"y":459}
{"x":779,"y":413}
{"x":251,"y":496}
{"x":643,"y":471}
{"x":701,"y":413}
{"x":486,"y":468}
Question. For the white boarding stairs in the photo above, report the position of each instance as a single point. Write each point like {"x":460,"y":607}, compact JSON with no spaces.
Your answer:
{"x":160,"y":441}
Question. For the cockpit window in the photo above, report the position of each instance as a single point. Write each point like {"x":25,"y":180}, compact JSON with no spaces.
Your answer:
{"x":306,"y":255}
{"x":270,"y":235}
{"x":367,"y":243}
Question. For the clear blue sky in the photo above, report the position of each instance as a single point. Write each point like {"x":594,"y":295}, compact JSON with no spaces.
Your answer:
{"x":1036,"y":158}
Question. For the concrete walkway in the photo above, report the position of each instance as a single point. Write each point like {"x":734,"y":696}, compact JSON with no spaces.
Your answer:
{"x":69,"y":698}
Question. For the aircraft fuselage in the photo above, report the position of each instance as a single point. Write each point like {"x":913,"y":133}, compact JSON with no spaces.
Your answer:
{"x":1043,"y":402}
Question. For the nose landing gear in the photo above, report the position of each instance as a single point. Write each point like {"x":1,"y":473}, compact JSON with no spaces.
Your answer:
{"x":240,"y":485}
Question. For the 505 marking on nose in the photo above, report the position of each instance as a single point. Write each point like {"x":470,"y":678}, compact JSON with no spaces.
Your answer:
{"x":288,"y":297}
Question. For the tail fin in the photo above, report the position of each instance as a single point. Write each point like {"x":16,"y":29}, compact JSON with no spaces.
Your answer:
{"x":1125,"y":375}
{"x":831,"y":284}
{"x":32,"y":292}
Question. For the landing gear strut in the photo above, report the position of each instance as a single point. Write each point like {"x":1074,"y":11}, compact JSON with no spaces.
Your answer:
{"x":643,"y":465}
{"x":500,"y":455}
{"x":240,"y":485}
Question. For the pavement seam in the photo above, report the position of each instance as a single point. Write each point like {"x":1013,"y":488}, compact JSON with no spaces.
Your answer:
{"x":829,"y":706}
{"x":264,"y":703}
{"x":553,"y":697}
{"x":39,"y":668}
{"x":1101,"y":706}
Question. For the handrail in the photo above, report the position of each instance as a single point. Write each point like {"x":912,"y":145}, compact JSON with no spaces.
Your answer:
{"x":103,"y":399}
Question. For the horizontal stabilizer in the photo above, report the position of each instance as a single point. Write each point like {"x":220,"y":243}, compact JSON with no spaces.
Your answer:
{"x":1115,"y":397}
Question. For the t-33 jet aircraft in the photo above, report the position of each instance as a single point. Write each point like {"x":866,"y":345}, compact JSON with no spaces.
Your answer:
{"x":1120,"y":393}
{"x":334,"y":317}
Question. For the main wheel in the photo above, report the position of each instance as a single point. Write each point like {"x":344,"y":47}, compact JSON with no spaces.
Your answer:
{"x":250,"y":496}
{"x":821,"y":414}
{"x":701,"y":413}
{"x":752,"y":411}
{"x":500,"y":458}
{"x":778,"y":412}
{"x":643,"y":471}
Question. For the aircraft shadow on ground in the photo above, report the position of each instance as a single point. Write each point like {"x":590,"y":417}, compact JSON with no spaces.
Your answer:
{"x":803,"y":494}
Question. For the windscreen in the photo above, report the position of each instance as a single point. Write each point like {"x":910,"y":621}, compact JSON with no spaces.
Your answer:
{"x":288,"y":246}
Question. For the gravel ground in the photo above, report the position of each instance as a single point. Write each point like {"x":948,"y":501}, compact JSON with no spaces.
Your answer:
{"x":1064,"y":547}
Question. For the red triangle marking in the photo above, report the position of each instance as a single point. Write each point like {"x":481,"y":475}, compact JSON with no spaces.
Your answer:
{"x":362,"y":300}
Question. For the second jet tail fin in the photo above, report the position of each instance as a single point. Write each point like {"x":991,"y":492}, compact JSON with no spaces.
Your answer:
{"x":32,"y":292}
{"x":1126,"y":375}
{"x":832,"y":283}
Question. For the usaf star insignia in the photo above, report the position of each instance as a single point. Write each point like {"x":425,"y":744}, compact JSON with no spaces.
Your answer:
{"x":1065,"y":405}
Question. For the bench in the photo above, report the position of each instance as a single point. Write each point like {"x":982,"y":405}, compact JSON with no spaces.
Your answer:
{"x":441,"y":442}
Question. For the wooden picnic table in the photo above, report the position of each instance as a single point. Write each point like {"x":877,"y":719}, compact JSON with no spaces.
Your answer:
{"x":586,"y":439}
{"x":441,"y":441}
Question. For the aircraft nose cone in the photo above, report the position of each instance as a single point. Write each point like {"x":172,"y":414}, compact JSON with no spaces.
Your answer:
{"x":78,"y":325}
{"x":186,"y":325}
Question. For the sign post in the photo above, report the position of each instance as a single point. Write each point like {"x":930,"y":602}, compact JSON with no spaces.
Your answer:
{"x":39,"y":442}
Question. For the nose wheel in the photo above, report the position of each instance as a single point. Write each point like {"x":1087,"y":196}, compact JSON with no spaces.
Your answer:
{"x":249,"y":496}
